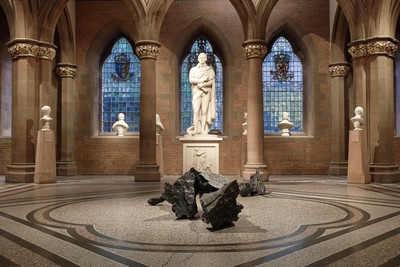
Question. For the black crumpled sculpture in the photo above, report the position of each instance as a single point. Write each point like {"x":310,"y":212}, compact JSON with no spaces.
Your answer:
{"x":217,"y":197}
{"x":254,"y":187}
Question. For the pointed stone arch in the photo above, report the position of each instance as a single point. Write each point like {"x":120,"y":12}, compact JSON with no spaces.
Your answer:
{"x":305,"y":48}
{"x":99,"y":44}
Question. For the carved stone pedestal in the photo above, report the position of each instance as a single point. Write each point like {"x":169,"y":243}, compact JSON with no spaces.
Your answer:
{"x":358,"y":169}
{"x":201,"y":152}
{"x":45,"y":166}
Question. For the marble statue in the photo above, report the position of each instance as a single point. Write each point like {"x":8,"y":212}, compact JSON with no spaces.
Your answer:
{"x":159,"y":125}
{"x":120,"y":126}
{"x":244,"y":124}
{"x":45,"y":120}
{"x":285,"y":125}
{"x":202,"y":80}
{"x":357,"y":120}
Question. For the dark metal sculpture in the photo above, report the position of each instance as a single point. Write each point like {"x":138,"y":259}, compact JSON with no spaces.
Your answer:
{"x":217,"y":197}
{"x":254,"y":187}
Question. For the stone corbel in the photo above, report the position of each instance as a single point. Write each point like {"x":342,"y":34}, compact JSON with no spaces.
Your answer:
{"x":65,"y":70}
{"x":147,"y":49}
{"x":255,"y":48}
{"x":339,"y":69}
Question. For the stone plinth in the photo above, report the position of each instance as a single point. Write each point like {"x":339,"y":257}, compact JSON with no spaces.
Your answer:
{"x":201,"y":152}
{"x":45,"y":166}
{"x":358,"y":169}
{"x":159,"y":154}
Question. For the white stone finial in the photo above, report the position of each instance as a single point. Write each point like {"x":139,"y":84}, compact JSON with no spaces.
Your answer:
{"x":120,"y":126}
{"x":244,"y":124}
{"x":45,"y":120}
{"x":159,"y":125}
{"x":357,"y":120}
{"x":285,"y":125}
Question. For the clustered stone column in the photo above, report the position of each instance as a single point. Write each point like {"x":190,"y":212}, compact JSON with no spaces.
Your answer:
{"x":66,"y":165}
{"x":338,"y":165}
{"x":25,"y":53}
{"x":377,"y":95}
{"x":147,"y":170}
{"x":255,"y":51}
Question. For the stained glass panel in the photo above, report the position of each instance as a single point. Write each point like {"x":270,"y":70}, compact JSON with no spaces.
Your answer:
{"x":120,"y":87}
{"x":200,"y":45}
{"x":282,"y":76}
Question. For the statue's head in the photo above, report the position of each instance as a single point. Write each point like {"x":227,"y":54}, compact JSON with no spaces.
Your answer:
{"x":202,"y":58}
{"x":46,"y":110}
{"x":359,"y":111}
{"x":121,"y":116}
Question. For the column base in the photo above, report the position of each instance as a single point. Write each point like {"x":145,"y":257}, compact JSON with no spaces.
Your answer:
{"x":384,"y":173}
{"x":338,"y":168}
{"x":250,"y":169}
{"x":147,"y":173}
{"x":20,"y":173}
{"x":66,"y":168}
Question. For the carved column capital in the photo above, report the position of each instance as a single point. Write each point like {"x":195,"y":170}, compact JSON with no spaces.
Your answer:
{"x":381,"y":45}
{"x":23,"y":48}
{"x":358,"y":49}
{"x":46,"y":51}
{"x":255,"y":49}
{"x":65,"y":70}
{"x":147,"y":49}
{"x":339,"y":69}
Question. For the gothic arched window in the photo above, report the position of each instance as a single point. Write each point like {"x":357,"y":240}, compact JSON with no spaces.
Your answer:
{"x":120,"y":87}
{"x":282,"y":76}
{"x":190,"y":60}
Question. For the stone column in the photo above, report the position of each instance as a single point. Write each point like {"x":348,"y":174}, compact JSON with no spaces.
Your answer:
{"x":381,"y":52}
{"x":255,"y":51}
{"x":46,"y":54}
{"x":338,"y":165}
{"x":147,"y":170}
{"x":66,"y":165}
{"x":24,"y":114}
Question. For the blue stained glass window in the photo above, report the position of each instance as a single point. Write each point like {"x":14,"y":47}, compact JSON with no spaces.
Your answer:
{"x":200,"y":45}
{"x":282,"y":76}
{"x":120,"y":87}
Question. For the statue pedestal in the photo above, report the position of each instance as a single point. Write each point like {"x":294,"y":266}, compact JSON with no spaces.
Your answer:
{"x":159,"y":154}
{"x":201,"y":152}
{"x":358,"y":169}
{"x":45,"y":164}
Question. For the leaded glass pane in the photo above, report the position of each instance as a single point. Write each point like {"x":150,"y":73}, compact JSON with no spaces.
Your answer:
{"x":200,"y":45}
{"x":282,"y":76}
{"x":120,"y":87}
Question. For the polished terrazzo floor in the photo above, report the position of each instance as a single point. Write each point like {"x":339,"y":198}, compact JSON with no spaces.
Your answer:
{"x":106,"y":221}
